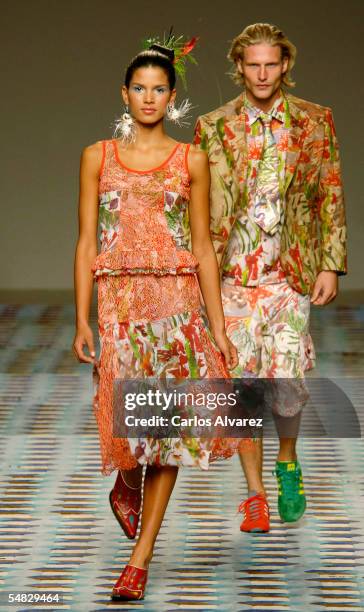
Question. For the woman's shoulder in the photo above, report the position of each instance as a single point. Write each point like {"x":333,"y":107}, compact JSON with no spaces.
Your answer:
{"x":94,"y":153}
{"x":193,"y":151}
{"x":196,"y":155}
{"x":95,"y":148}
{"x":196,"y":152}
{"x":196,"y":161}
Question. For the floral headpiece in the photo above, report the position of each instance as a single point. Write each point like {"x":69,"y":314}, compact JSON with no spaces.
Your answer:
{"x":180,"y":47}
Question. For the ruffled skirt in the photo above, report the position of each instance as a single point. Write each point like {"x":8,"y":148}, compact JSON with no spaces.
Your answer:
{"x":153,"y":326}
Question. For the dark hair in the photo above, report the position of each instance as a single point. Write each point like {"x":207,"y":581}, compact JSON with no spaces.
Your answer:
{"x":155,"y":56}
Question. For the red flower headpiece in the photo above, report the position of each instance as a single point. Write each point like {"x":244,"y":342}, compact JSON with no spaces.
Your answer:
{"x":181,"y":50}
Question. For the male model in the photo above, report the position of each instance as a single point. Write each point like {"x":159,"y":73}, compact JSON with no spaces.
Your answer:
{"x":278,"y":225}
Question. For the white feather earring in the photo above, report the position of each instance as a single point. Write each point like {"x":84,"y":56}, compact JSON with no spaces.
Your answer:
{"x":125,"y":128}
{"x":179,"y":115}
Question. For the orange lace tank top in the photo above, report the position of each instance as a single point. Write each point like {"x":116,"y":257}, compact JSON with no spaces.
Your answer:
{"x":143,"y":216}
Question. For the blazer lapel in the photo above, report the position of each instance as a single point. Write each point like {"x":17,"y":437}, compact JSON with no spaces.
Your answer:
{"x":235,"y":132}
{"x":296,"y":137}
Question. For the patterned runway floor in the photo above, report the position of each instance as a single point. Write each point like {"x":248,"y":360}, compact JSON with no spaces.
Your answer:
{"x":58,"y":533}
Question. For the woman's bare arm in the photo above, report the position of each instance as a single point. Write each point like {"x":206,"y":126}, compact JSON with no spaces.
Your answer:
{"x":86,"y":249}
{"x":202,"y":248}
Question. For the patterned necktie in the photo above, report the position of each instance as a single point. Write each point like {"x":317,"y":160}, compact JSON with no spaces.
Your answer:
{"x":267,"y":209}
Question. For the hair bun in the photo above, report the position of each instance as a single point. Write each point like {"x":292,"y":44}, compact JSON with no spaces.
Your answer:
{"x":163,"y":50}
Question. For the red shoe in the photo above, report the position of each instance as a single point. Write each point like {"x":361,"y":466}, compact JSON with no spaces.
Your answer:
{"x":125,"y":502}
{"x":131,"y":584}
{"x":256,"y":514}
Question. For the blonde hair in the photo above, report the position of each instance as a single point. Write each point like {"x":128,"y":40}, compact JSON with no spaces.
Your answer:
{"x":262,"y":33}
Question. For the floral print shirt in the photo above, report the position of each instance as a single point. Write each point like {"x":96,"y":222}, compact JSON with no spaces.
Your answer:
{"x":252,"y":255}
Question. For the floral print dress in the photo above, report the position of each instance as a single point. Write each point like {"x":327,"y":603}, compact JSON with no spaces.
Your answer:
{"x":149,"y":313}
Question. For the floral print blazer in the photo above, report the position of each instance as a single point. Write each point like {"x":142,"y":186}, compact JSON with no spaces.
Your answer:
{"x":314,"y":232}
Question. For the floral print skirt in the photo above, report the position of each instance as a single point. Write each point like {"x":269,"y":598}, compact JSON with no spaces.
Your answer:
{"x":153,"y":326}
{"x":269,"y":325}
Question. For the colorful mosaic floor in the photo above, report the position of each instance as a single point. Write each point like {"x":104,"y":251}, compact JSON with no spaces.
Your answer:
{"x":58,"y":533}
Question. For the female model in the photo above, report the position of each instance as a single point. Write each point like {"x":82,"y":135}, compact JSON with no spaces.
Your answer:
{"x":151,"y":195}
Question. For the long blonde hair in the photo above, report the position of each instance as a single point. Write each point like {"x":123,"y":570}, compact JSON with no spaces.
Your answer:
{"x":262,"y":33}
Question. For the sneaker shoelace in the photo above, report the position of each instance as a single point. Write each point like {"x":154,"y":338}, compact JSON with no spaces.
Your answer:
{"x":289,"y":482}
{"x":253,"y":507}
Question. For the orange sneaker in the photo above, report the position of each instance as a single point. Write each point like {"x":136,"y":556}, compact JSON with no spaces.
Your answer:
{"x":256,"y":514}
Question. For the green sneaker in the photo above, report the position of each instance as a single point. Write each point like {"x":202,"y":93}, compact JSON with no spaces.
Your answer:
{"x":291,"y":494}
